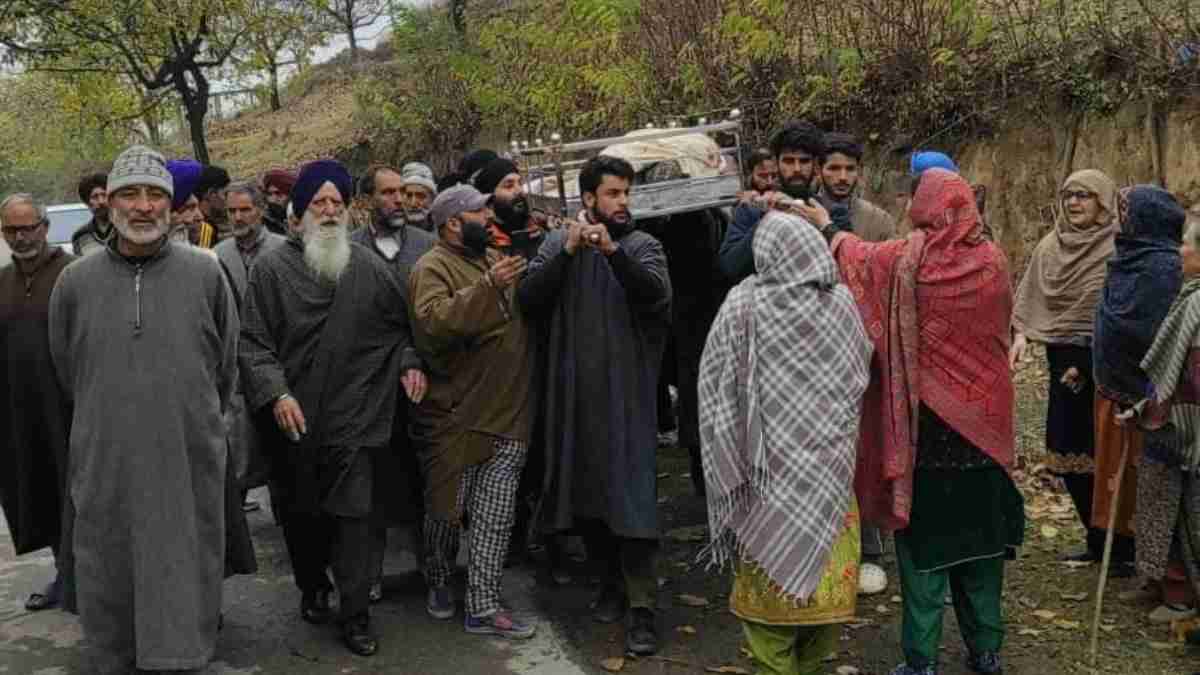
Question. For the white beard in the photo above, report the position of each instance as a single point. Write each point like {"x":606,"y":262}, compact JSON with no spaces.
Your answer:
{"x":326,"y":249}
{"x":142,"y":235}
{"x":28,"y":254}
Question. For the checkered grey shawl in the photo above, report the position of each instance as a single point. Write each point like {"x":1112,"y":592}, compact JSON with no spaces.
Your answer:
{"x":781,"y":385}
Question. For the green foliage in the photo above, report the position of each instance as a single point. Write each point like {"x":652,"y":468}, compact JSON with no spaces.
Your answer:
{"x":53,"y":127}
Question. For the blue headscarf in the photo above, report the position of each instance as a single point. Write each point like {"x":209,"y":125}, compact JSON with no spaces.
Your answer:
{"x":928,"y":159}
{"x":1144,"y":276}
{"x":186,"y":173}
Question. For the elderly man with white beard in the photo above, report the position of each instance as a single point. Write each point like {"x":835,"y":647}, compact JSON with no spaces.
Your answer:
{"x":325,"y":348}
{"x":144,"y":342}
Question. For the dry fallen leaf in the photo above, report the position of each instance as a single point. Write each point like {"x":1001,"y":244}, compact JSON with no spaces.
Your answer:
{"x":613,"y":665}
{"x":1067,"y":625}
{"x":883,"y":609}
{"x":686,"y":630}
{"x":1049,"y":532}
{"x":1108,"y":628}
{"x":1075,"y":564}
{"x":736,"y":670}
{"x":897,"y":599}
{"x":1045,"y":614}
{"x":1076,"y":597}
{"x":1031,"y":632}
{"x":848,"y":670}
{"x":1163,"y":645}
{"x":691,"y":600}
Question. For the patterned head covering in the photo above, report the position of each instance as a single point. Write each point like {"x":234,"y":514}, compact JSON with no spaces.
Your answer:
{"x":139,"y":165}
{"x":781,"y":384}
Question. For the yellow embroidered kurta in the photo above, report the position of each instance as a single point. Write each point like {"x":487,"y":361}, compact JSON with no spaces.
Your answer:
{"x":756,"y":598}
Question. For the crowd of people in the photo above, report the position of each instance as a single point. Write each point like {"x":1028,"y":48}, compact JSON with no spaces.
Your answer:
{"x":467,"y":368}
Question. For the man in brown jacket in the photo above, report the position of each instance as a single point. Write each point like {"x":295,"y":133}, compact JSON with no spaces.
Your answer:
{"x":472,"y":429}
{"x":840,"y":172}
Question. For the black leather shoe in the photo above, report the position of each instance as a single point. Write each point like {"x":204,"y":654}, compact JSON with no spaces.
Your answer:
{"x":609,"y":606}
{"x":314,"y":607}
{"x":357,"y":636}
{"x":642,"y":639}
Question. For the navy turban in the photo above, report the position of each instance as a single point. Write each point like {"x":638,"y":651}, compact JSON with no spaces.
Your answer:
{"x":315,"y":174}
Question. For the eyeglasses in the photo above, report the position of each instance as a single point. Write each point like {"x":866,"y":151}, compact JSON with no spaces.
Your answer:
{"x":15,"y":231}
{"x":1081,"y":195}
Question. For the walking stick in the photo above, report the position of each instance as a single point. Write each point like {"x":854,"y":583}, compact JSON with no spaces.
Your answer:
{"x":1108,"y":542}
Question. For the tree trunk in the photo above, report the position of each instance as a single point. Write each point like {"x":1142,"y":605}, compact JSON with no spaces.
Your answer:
{"x":353,"y":43}
{"x":195,"y":106}
{"x":275,"y":104}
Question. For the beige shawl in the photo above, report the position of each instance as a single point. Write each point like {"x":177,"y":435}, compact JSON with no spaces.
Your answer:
{"x":1057,"y":299}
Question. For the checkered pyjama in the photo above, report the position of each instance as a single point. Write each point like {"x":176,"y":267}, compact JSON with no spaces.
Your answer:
{"x":489,"y":493}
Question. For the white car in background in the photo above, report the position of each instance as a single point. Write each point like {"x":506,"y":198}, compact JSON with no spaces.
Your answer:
{"x":65,"y":219}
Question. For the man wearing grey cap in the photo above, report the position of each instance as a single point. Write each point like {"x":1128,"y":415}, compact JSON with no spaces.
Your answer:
{"x":472,"y":430}
{"x":144,"y":342}
{"x":418,"y":189}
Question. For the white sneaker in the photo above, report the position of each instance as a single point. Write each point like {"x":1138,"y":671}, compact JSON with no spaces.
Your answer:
{"x":1164,"y":614}
{"x":871,"y":579}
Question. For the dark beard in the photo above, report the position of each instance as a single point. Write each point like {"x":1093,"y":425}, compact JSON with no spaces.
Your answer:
{"x":277,"y":212}
{"x":797,"y":189}
{"x":389,"y":222}
{"x":616,"y":229}
{"x":512,"y":216}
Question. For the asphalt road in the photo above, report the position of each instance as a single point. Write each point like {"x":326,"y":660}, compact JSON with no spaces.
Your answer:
{"x":264,"y":634}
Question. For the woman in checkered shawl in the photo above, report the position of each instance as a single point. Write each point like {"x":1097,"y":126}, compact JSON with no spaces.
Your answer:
{"x":781,"y":384}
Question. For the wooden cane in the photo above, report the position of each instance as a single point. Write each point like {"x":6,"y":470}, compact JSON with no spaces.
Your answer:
{"x":1108,"y":542}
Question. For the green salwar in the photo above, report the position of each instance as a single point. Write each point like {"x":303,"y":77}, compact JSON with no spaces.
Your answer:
{"x":791,"y":650}
{"x":976,"y":588}
{"x":967,"y":518}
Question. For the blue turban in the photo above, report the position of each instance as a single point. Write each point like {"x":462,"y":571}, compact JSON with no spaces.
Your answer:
{"x":186,"y":173}
{"x":929,"y":159}
{"x":315,"y":174}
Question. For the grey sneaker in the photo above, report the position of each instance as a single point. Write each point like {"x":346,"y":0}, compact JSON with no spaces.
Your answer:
{"x":905,"y":669}
{"x":987,"y":663}
{"x":440,"y":603}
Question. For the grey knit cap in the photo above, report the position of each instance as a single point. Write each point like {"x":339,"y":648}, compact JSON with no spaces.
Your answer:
{"x":416,"y":173}
{"x":139,"y":165}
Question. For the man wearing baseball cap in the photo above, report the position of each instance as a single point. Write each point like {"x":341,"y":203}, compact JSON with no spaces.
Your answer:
{"x":472,"y":430}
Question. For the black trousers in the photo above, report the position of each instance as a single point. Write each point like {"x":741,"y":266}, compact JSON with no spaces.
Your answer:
{"x":338,"y":538}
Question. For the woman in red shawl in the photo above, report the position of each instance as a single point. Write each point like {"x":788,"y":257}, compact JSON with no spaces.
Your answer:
{"x":937,"y":428}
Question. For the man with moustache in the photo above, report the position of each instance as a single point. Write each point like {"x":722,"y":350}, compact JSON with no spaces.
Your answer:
{"x":604,"y":289}
{"x":396,"y":236}
{"x":93,"y":237}
{"x":276,"y":186}
{"x":513,"y":230}
{"x":244,"y":206}
{"x":473,"y":429}
{"x":324,"y":350}
{"x":840,"y":172}
{"x":418,"y":191}
{"x":144,"y":341}
{"x":35,"y":423}
{"x":799,"y":149}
